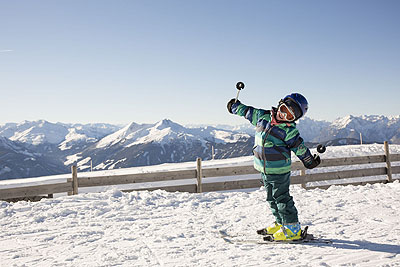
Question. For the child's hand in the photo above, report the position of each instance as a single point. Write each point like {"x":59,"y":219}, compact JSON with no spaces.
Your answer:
{"x":316,"y":160}
{"x":230,"y":103}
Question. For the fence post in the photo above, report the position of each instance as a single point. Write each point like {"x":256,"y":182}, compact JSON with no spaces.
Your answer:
{"x":388,"y":165}
{"x":199,"y":174}
{"x":74,"y":181}
{"x":302,"y":173}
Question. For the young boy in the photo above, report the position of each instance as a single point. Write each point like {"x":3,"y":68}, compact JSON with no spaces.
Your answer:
{"x":276,"y":136}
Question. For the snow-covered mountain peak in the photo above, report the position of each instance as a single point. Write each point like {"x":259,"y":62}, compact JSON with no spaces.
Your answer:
{"x":39,"y":132}
{"x":166,"y":123}
{"x":132,"y":127}
{"x":131,"y":131}
{"x":368,"y":128}
{"x":363,"y":122}
{"x":354,"y":122}
{"x":163,"y":131}
{"x":341,"y":123}
{"x":43,"y":132}
{"x":113,"y":146}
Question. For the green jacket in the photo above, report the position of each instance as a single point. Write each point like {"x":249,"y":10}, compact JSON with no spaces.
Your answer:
{"x":274,"y":141}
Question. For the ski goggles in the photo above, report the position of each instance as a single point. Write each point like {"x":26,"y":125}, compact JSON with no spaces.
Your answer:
{"x":287,"y":112}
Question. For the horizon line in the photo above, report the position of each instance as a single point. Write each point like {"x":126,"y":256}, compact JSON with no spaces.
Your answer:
{"x":210,"y":124}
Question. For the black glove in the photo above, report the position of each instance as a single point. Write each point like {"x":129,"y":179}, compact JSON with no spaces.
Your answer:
{"x":230,"y":103}
{"x":313,"y":162}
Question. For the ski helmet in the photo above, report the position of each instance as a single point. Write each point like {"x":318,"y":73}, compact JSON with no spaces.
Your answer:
{"x":297,"y":102}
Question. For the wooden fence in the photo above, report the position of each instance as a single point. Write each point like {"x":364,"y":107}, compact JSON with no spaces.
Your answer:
{"x":363,"y":169}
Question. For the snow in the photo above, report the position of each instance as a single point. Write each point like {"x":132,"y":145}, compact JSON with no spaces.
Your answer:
{"x":181,"y":229}
{"x":376,"y":128}
{"x":81,"y":164}
{"x":118,"y":161}
{"x":39,"y":132}
{"x":104,"y":165}
{"x":158,"y":228}
{"x":132,"y":130}
{"x":226,"y":137}
{"x":72,"y":136}
{"x":42,"y":132}
{"x":53,"y":179}
{"x":71,"y":159}
{"x":158,"y":135}
{"x":163,"y":132}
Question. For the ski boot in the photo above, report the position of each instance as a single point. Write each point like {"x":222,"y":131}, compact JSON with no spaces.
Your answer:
{"x":270,"y":230}
{"x":291,"y":231}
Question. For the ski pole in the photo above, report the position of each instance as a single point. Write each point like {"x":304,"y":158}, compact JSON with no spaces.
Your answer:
{"x":321,"y":148}
{"x":239,"y":86}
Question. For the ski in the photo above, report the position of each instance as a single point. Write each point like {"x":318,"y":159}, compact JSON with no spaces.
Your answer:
{"x":268,"y":239}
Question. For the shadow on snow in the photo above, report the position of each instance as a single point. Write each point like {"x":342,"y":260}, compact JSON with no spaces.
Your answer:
{"x":361,"y":245}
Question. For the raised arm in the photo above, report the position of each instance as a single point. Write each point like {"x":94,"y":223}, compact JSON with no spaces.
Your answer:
{"x":251,"y":114}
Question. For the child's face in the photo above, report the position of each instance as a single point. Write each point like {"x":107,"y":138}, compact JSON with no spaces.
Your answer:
{"x":285,"y":113}
{"x":280,"y":116}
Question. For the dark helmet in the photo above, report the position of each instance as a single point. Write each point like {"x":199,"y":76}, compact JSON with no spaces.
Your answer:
{"x":298,"y":103}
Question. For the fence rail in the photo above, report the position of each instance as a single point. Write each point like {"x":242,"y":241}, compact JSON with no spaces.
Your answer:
{"x":74,"y":183}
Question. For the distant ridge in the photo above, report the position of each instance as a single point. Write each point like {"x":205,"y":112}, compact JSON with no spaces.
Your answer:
{"x":33,"y":148}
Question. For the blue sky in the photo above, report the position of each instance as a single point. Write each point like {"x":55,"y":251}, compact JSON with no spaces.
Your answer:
{"x":143,"y":61}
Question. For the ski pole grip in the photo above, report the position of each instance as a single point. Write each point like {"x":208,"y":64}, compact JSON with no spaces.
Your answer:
{"x":321,"y":148}
{"x":239,"y":86}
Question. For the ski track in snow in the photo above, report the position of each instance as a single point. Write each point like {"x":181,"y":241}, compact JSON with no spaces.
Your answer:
{"x":182,"y":229}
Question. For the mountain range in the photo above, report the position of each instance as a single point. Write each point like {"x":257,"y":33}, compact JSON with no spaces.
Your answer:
{"x":37,"y":148}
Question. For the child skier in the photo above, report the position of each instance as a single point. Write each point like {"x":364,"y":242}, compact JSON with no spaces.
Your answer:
{"x":276,"y":136}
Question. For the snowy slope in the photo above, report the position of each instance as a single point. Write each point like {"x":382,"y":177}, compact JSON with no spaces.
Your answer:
{"x":181,"y":229}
